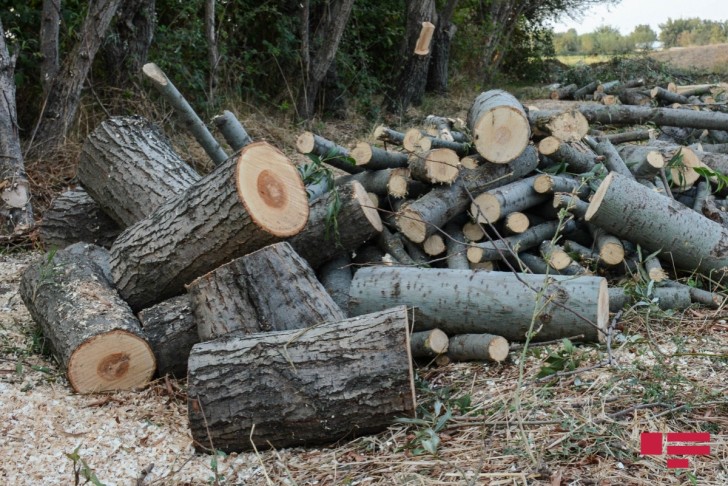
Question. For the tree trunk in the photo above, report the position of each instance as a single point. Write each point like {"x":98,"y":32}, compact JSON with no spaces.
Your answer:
{"x":499,"y":126}
{"x":500,"y":303}
{"x":74,"y":217}
{"x":690,"y":241}
{"x":245,"y":204}
{"x":16,"y":213}
{"x":171,"y":330}
{"x":92,"y":332}
{"x":640,"y":115}
{"x":126,"y":47}
{"x":437,"y":74}
{"x":272,"y":289}
{"x":301,"y":387}
{"x":129,"y":167}
{"x":213,"y":55}
{"x":49,"y":27}
{"x":325,"y":43}
{"x":65,"y":92}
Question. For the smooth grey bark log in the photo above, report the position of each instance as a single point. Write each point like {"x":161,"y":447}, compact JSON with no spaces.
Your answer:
{"x":531,"y":238}
{"x":612,"y":159}
{"x":667,"y":298}
{"x":456,"y":247}
{"x":329,"y":152}
{"x":391,"y":243}
{"x":636,"y":96}
{"x":436,"y":166}
{"x":586,"y":91}
{"x":638,"y":115}
{"x":643,"y":160}
{"x":550,"y":184}
{"x":699,"y":296}
{"x":170,"y":329}
{"x":232,"y":130}
{"x":272,"y":289}
{"x":668,"y":97}
{"x":49,"y":27}
{"x":301,"y":387}
{"x":499,"y":126}
{"x":335,"y":275}
{"x":578,"y":161}
{"x":129,"y":167}
{"x":564,"y":92}
{"x":428,"y":344}
{"x":16,"y":212}
{"x":370,"y":157}
{"x":567,"y":126}
{"x":494,"y":204}
{"x":74,"y":217}
{"x":689,"y":240}
{"x":500,"y":303}
{"x":478,"y":347}
{"x":249,"y":202}
{"x":185,"y":112}
{"x":92,"y":331}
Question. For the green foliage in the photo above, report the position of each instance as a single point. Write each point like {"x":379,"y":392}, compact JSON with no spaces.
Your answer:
{"x":624,"y":68}
{"x":565,"y":359}
{"x":692,"y":32}
{"x":720,"y":180}
{"x":216,"y":477}
{"x":81,"y":469}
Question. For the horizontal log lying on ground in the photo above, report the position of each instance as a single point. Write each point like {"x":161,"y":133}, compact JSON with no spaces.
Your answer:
{"x":428,"y":344}
{"x":306,"y":386}
{"x":500,"y":303}
{"x":637,"y":115}
{"x":477,"y":347}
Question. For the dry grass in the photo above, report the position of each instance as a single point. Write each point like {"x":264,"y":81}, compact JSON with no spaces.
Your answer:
{"x":713,"y":58}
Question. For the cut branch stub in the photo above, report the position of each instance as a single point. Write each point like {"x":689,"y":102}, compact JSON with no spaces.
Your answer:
{"x":499,"y":126}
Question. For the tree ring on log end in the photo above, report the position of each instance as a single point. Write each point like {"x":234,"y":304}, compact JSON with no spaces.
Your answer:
{"x":412,"y":225}
{"x":116,"y":360}
{"x":602,"y":311}
{"x":502,"y":134}
{"x":370,"y":211}
{"x":271,"y":190}
{"x":598,"y":196}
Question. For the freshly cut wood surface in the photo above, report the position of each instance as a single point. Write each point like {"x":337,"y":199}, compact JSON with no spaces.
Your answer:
{"x":246,"y":203}
{"x":93,"y":333}
{"x":436,"y":166}
{"x":499,"y":126}
{"x":500,"y":303}
{"x":370,"y":157}
{"x":428,"y":344}
{"x":478,"y":347}
{"x":495,"y":204}
{"x":567,"y":126}
{"x":302,"y":387}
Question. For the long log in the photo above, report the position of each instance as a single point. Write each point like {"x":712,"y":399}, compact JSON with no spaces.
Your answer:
{"x":231,"y":129}
{"x":128,"y":166}
{"x":499,"y":249}
{"x":500,"y":303}
{"x":691,"y":241}
{"x":74,"y":217}
{"x":92,"y":331}
{"x":301,"y":387}
{"x":250,"y":201}
{"x":639,"y":115}
{"x":499,"y":126}
{"x":272,"y":289}
{"x":666,"y":298}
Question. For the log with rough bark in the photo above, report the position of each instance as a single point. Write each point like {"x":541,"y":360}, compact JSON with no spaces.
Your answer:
{"x":328,"y":152}
{"x":578,"y":160}
{"x":495,"y":204}
{"x":635,"y":96}
{"x":567,"y":126}
{"x":436,"y":166}
{"x":499,"y":126}
{"x":301,"y":387}
{"x":170,"y":328}
{"x":423,"y":217}
{"x":428,"y":344}
{"x":500,"y":303}
{"x":231,"y":129}
{"x":129,"y":167}
{"x":686,"y":239}
{"x":91,"y":330}
{"x":370,"y":157}
{"x":74,"y":217}
{"x":272,"y":289}
{"x":478,"y":347}
{"x":250,"y":201}
{"x":638,"y":115}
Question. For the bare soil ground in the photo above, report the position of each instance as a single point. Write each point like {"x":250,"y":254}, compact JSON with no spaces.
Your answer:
{"x":713,"y":58}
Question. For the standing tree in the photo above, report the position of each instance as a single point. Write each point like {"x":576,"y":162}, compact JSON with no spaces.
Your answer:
{"x":437,"y":75}
{"x":50,"y":22}
{"x":642,"y":37}
{"x":127,"y":44}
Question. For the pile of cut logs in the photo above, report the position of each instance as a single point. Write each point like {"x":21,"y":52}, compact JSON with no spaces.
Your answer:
{"x":296,"y":309}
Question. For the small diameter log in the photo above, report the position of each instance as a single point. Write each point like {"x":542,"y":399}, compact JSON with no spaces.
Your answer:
{"x":170,"y":329}
{"x":550,"y":184}
{"x":586,"y":90}
{"x":392,"y":244}
{"x":428,"y":344}
{"x":644,"y":162}
{"x":128,"y":166}
{"x":427,"y":143}
{"x":92,"y":332}
{"x":329,"y":152}
{"x":478,"y":347}
{"x":442,"y":125}
{"x":610,"y":248}
{"x":516,"y":223}
{"x":568,"y":126}
{"x":667,"y":298}
{"x":696,"y":90}
{"x":434,"y":245}
{"x":636,"y":97}
{"x":699,"y":296}
{"x":493,"y":205}
{"x":608,"y":87}
{"x":356,"y":222}
{"x":74,"y":217}
{"x":302,"y":387}
{"x":387,"y":135}
{"x":272,"y":289}
{"x":437,"y":166}
{"x":231,"y":129}
{"x":423,"y":217}
{"x":499,"y":126}
{"x":531,"y":238}
{"x":612,"y":159}
{"x":456,"y":247}
{"x":654,"y":270}
{"x":578,"y":161}
{"x":246,"y":203}
{"x":632,"y":136}
{"x":370,"y":157}
{"x":564,"y":93}
{"x":555,"y":255}
{"x":335,"y":276}
{"x":691,"y":241}
{"x":668,"y":97}
{"x":535,"y":264}
{"x":500,"y":303}
{"x":473,"y":231}
{"x":185,"y":112}
{"x":413,"y":139}
{"x":400,"y":185}
{"x":640,"y":115}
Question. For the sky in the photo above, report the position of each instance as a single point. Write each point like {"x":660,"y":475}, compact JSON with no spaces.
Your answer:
{"x":629,"y":13}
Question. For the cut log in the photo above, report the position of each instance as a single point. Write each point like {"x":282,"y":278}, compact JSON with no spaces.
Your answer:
{"x":640,"y":115}
{"x":578,"y":161}
{"x":128,"y":166}
{"x":400,"y":185}
{"x":612,"y":160}
{"x":436,"y":166}
{"x":495,"y":204}
{"x":667,"y":298}
{"x":423,"y":217}
{"x":643,"y":161}
{"x":392,"y":244}
{"x":370,"y":157}
{"x":428,"y":344}
{"x":689,"y":240}
{"x":170,"y":329}
{"x":564,"y":93}
{"x":499,"y":126}
{"x":632,"y":136}
{"x":636,"y":97}
{"x":610,"y":248}
{"x":681,"y":162}
{"x":92,"y":332}
{"x":499,"y":249}
{"x":478,"y":347}
{"x":473,"y":231}
{"x":387,"y":135}
{"x":434,"y":245}
{"x":442,"y":125}
{"x":654,"y":270}
{"x":555,"y":255}
{"x":302,"y":387}
{"x":231,"y":129}
{"x":586,"y":90}
{"x":272,"y":289}
{"x":500,"y":303}
{"x":668,"y":97}
{"x":335,"y":276}
{"x":327,"y":233}
{"x":568,"y":126}
{"x":516,"y":223}
{"x":550,"y":184}
{"x":456,"y":247}
{"x":427,"y":143}
{"x":246,"y":203}
{"x":328,"y":152}
{"x":74,"y":217}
